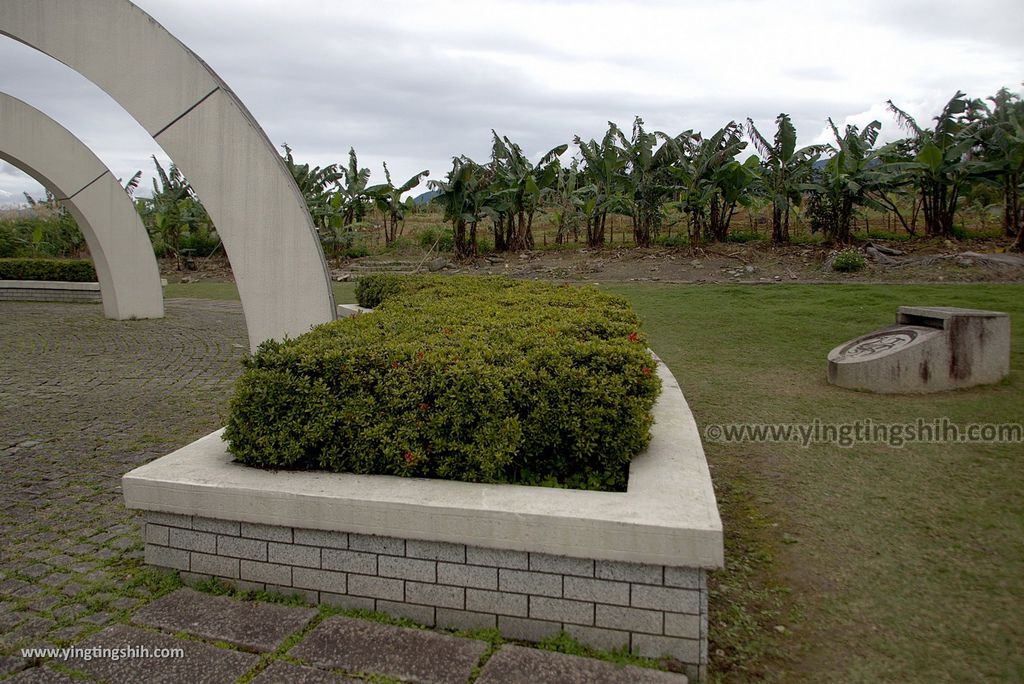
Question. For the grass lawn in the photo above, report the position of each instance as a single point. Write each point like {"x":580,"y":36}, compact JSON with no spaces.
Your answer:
{"x":344,"y":293}
{"x":865,"y":563}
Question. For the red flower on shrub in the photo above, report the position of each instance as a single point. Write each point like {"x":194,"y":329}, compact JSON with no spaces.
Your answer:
{"x":646,"y":371}
{"x":419,"y":355}
{"x":633,"y":337}
{"x":409,"y":458}
{"x":424,"y":406}
{"x":394,"y":364}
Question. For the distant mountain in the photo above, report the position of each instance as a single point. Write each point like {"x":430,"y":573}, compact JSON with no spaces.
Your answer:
{"x":425,"y":197}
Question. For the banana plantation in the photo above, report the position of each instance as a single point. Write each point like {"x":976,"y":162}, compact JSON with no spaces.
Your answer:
{"x":966,"y":163}
{"x":656,"y":180}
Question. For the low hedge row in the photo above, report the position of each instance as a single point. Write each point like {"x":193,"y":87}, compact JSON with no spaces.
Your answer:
{"x":372,"y":290}
{"x":474,"y":379}
{"x":73,"y":270}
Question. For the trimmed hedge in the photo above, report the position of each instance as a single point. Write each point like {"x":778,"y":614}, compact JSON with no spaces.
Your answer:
{"x":464,"y":378}
{"x":373,"y":289}
{"x":68,"y":270}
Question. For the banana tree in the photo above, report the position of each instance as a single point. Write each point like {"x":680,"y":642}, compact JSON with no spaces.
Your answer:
{"x":317,"y":187}
{"x":939,"y":157}
{"x":133,"y":184}
{"x":352,"y":194}
{"x":524,"y":182}
{"x":710,"y":181}
{"x":1002,"y":135}
{"x":567,"y":202}
{"x":174,"y":210}
{"x":852,"y":177}
{"x":462,"y":195}
{"x":785,"y":171}
{"x":602,"y":183}
{"x":388,"y":199}
{"x":645,"y":181}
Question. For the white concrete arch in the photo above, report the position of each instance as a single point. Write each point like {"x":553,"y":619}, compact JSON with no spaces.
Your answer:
{"x":258,"y":210}
{"x":120,"y":247}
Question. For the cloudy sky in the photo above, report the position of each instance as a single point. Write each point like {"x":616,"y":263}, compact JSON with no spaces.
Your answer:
{"x":414,"y":83}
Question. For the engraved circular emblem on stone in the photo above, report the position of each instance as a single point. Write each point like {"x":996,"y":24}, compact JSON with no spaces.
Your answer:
{"x":878,"y":343}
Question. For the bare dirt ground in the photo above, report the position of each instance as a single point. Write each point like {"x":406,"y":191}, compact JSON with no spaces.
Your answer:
{"x":923,"y":261}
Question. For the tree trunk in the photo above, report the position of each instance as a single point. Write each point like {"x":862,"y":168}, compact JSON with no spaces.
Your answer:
{"x":461,"y":248}
{"x":1012,"y":205}
{"x":499,"y":234}
{"x":1009,"y":213}
{"x":777,"y":224}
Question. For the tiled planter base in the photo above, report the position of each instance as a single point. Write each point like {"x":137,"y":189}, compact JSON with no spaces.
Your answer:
{"x":652,"y":610}
{"x":48,"y":291}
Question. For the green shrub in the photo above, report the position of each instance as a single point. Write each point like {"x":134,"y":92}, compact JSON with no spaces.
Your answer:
{"x":399,"y":244}
{"x":73,"y":270}
{"x":43,"y":232}
{"x":428,"y":236}
{"x":847,"y":261}
{"x":202,"y":241}
{"x":356,"y":251}
{"x":677,"y":240}
{"x":475,"y":379}
{"x":371,"y":290}
{"x":743,"y":237}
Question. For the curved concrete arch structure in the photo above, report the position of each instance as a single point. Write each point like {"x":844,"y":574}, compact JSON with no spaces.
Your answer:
{"x":120,"y":247}
{"x":232,"y":165}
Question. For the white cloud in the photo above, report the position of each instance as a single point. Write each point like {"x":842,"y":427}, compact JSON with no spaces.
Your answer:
{"x":416,"y":83}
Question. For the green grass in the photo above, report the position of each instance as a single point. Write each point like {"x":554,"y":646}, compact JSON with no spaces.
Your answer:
{"x":869,"y":563}
{"x":344,"y":293}
{"x":878,"y":563}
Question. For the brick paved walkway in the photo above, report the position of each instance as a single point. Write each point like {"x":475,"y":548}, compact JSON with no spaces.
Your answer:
{"x":82,"y":401}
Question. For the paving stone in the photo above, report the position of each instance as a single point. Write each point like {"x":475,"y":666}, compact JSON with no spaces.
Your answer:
{"x":124,"y":603}
{"x":250,"y":624}
{"x":56,"y":579}
{"x":41,"y":675}
{"x":69,"y":612}
{"x":409,"y":654}
{"x":10,"y":664}
{"x":518,"y":665}
{"x":281,"y":672}
{"x":34,"y":626}
{"x":67,"y":633}
{"x":36,"y":570}
{"x":100,"y":618}
{"x":44,"y":603}
{"x":72,"y":589}
{"x":201,"y":663}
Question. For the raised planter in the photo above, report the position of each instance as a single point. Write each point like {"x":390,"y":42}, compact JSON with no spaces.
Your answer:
{"x":51,"y":291}
{"x":48,"y":291}
{"x":613,"y":569}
